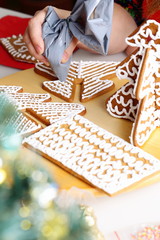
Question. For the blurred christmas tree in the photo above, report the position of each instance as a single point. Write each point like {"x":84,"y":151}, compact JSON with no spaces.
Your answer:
{"x":29,"y":209}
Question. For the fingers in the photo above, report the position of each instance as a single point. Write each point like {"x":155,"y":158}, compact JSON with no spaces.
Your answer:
{"x":33,"y":35}
{"x":68,"y":52}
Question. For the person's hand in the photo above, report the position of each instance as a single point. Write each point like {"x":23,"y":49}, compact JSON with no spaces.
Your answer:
{"x":33,"y":36}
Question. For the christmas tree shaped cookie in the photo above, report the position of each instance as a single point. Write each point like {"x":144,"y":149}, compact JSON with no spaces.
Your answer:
{"x":93,"y":76}
{"x":17,"y":48}
{"x":138,"y":100}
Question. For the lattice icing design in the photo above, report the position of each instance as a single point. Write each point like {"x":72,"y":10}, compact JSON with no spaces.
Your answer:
{"x":93,"y":154}
{"x":92,"y":75}
{"x":17,"y":48}
{"x":50,"y":112}
{"x":27,"y":100}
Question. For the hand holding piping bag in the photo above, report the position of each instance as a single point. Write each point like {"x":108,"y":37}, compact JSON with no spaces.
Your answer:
{"x":92,"y":25}
{"x":89,"y":22}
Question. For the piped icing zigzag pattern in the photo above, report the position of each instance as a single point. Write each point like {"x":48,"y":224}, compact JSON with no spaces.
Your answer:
{"x":93,"y":154}
{"x":148,"y":115}
{"x":144,"y":76}
{"x":123,"y":103}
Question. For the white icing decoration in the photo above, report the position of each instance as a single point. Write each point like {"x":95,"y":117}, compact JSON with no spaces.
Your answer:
{"x":125,"y":71}
{"x":120,"y":97}
{"x":27,"y":100}
{"x":90,"y":71}
{"x":143,"y":70}
{"x":146,"y":31}
{"x":21,"y":48}
{"x":109,"y":167}
{"x":52,"y":111}
{"x":10,"y":89}
{"x":22,"y":125}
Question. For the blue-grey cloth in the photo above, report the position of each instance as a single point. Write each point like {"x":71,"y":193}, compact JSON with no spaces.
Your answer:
{"x":90,"y":22}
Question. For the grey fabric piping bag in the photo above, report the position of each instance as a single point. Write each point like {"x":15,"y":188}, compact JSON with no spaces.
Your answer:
{"x":90,"y":22}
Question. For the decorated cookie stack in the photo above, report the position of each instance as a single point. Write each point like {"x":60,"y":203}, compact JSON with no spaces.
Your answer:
{"x":138,"y":100}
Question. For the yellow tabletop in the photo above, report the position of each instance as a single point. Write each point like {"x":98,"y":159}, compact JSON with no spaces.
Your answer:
{"x":96,"y":112}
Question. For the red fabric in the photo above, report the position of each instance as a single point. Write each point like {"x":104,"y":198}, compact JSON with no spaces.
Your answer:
{"x":12,"y":25}
{"x":154,"y":16}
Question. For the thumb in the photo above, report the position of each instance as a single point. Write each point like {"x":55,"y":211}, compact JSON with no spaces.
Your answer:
{"x":68,"y":52}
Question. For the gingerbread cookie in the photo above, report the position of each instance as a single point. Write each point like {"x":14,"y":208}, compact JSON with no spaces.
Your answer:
{"x":21,"y":123}
{"x":17,"y":48}
{"x":64,"y":90}
{"x":146,"y":36}
{"x":145,"y":84}
{"x":92,"y":75}
{"x":27,"y":100}
{"x":24,"y":125}
{"x":145,"y":77}
{"x":45,"y":71}
{"x":147,"y":118}
{"x":95,"y":77}
{"x":93,"y":154}
{"x":129,"y":67}
{"x":146,"y":121}
{"x":50,"y":112}
{"x":10,"y":89}
{"x":123,"y":103}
